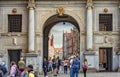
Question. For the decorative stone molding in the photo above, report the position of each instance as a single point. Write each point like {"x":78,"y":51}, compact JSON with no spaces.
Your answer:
{"x":105,"y":10}
{"x":90,"y":50}
{"x":14,"y":10}
{"x":37,"y":34}
{"x":60,"y":11}
{"x":13,"y":34}
{"x":14,"y":41}
{"x":106,"y":33}
{"x":89,"y":53}
{"x":83,"y":33}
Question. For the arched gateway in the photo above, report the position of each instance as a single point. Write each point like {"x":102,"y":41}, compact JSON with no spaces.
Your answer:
{"x":50,"y":23}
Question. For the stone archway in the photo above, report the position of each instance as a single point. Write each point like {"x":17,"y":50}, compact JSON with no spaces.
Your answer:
{"x":50,"y":22}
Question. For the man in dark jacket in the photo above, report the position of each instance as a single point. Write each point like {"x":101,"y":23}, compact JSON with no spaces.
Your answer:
{"x":45,"y":67}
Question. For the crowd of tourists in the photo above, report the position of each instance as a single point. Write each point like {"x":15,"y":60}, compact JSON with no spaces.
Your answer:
{"x":53,"y":65}
{"x":17,"y":70}
{"x":72,"y":66}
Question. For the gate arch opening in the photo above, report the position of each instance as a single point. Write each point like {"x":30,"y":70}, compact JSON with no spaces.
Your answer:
{"x":50,"y":22}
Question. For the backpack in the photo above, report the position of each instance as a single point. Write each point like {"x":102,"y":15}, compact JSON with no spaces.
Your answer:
{"x":35,"y":74}
{"x":3,"y":69}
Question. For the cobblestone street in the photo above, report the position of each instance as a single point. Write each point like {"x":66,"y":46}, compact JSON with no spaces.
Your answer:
{"x":100,"y":74}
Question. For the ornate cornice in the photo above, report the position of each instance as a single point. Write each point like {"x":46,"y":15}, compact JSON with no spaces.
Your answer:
{"x":13,"y":34}
{"x":106,"y":33}
{"x":102,"y":33}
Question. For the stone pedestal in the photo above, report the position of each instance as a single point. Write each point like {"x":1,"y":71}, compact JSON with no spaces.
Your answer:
{"x":119,"y":61}
{"x":35,"y":60}
{"x":90,"y":56}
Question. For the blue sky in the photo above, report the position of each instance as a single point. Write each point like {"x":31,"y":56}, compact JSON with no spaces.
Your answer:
{"x":57,"y":31}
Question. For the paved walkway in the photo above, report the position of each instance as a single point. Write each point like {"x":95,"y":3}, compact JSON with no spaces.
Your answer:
{"x":100,"y":74}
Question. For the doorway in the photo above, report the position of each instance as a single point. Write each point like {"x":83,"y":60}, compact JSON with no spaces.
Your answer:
{"x":14,"y":55}
{"x":105,"y":59}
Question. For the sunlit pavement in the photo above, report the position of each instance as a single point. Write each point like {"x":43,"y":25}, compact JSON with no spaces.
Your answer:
{"x":100,"y":74}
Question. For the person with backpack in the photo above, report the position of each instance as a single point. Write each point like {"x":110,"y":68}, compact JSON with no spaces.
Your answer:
{"x":4,"y":68}
{"x":85,"y":66}
{"x":29,"y":72}
{"x":75,"y":67}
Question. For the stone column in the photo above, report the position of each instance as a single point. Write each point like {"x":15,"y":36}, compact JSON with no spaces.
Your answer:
{"x":89,"y":27}
{"x":31,"y":31}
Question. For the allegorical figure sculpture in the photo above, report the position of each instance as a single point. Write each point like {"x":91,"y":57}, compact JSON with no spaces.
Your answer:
{"x":60,"y":11}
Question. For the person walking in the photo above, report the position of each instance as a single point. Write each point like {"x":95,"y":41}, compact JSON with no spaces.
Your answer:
{"x":13,"y":70}
{"x":70,"y":64}
{"x":54,"y":65}
{"x":85,"y":66}
{"x":4,"y":68}
{"x":49,"y":65}
{"x":21,"y":65}
{"x":24,"y":73}
{"x":75,"y":67}
{"x":65,"y":66}
{"x":29,"y":72}
{"x":58,"y":63}
{"x":45,"y":67}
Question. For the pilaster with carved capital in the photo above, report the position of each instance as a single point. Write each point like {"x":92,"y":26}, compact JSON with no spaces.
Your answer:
{"x":89,"y":5}
{"x":89,"y":26}
{"x":31,"y":5}
{"x":31,"y":27}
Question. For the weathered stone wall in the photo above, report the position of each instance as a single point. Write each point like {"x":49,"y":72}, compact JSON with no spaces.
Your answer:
{"x":45,"y":10}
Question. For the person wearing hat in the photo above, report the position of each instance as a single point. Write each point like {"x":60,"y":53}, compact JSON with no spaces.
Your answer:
{"x":28,"y":72}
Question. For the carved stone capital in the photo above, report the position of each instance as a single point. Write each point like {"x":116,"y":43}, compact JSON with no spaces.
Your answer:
{"x":89,"y":5}
{"x":31,"y":5}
